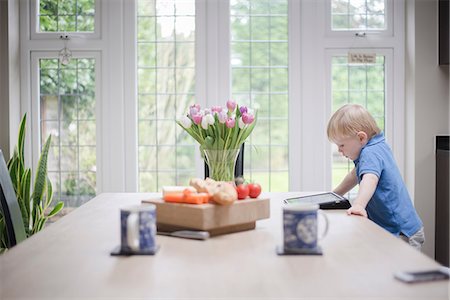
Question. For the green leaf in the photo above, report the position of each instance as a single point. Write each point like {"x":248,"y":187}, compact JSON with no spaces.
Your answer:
{"x":21,"y":138}
{"x":38,"y":218}
{"x":56,"y":209}
{"x":3,"y":237}
{"x":13,"y":172}
{"x":248,"y":130}
{"x":40,"y":224}
{"x":234,"y":142}
{"x":221,"y":144}
{"x":24,"y":199}
{"x":26,"y":184}
{"x":192,"y":132}
{"x":41,"y":174}
{"x":209,"y":142}
{"x":49,"y":194}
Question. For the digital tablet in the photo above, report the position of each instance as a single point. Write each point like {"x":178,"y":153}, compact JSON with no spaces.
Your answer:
{"x":328,"y":200}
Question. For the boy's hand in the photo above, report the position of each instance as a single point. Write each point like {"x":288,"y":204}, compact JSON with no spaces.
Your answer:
{"x":357,"y":209}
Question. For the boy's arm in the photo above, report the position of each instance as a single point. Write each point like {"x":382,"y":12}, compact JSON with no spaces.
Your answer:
{"x":367,"y":187}
{"x":347,"y":184}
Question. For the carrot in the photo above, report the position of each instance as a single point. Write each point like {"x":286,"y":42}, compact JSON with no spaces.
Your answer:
{"x":174,"y":197}
{"x":187,"y":196}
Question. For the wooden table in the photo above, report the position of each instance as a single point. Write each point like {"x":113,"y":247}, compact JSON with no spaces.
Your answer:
{"x":70,"y":260}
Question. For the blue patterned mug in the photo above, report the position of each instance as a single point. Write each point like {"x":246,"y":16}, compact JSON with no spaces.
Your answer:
{"x":138,"y":228}
{"x":300,"y":227}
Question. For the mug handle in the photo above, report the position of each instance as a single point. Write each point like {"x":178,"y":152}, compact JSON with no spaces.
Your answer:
{"x":133,"y":231}
{"x":325,"y":231}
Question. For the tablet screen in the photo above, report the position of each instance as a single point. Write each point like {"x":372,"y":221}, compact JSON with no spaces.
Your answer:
{"x":315,"y":199}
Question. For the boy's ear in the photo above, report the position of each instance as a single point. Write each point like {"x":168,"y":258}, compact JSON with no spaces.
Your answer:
{"x":362,"y":136}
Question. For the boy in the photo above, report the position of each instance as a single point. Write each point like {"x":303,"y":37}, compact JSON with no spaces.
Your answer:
{"x":382,"y":195}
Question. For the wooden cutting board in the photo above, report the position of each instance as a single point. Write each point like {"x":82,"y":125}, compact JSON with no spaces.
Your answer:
{"x":214,"y":218}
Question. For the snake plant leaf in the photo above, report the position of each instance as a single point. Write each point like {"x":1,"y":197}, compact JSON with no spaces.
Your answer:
{"x":37,"y":219}
{"x":26,"y":184}
{"x":13,"y":172}
{"x":3,"y":243}
{"x":23,"y":195}
{"x":20,"y":151}
{"x":41,"y":224}
{"x":21,"y":138}
{"x":41,"y":174}
{"x":56,"y":209}
{"x":49,"y":194}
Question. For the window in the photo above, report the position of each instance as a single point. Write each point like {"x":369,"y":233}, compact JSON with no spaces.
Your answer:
{"x":50,"y":18}
{"x":363,"y":16}
{"x":362,"y":84}
{"x":63,"y":94}
{"x":358,"y":14}
{"x":67,"y":112}
{"x":166,"y":86}
{"x":66,"y":16}
{"x":259,"y":70}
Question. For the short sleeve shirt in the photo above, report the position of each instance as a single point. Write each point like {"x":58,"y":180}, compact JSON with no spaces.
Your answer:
{"x":390,"y":206}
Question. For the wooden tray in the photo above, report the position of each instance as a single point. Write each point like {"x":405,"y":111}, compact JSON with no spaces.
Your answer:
{"x":214,"y":218}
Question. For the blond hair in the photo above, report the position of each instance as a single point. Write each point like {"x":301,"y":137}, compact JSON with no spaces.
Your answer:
{"x":349,"y":120}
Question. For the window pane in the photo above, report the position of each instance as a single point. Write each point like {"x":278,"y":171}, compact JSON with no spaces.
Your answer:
{"x":259,"y":70}
{"x":358,"y":15}
{"x":68,"y":114}
{"x":66,"y":15}
{"x":166,"y":86}
{"x":356,"y":83}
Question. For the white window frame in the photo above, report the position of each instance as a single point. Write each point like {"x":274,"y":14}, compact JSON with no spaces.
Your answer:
{"x":36,"y":34}
{"x":112,"y":90}
{"x":315,"y":154}
{"x":35,"y":107}
{"x":389,"y":31}
{"x":389,"y":121}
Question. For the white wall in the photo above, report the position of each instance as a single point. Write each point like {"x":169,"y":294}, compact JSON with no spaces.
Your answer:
{"x":427,"y":90}
{"x":4,"y":107}
{"x":9,"y":75}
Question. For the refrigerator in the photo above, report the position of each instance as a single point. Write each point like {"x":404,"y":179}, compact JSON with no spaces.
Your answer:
{"x":442,"y":237}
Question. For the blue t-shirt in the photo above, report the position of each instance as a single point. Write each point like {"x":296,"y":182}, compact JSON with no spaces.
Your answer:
{"x":390,"y":206}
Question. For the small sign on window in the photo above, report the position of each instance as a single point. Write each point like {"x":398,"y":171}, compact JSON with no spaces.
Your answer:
{"x":361,"y":58}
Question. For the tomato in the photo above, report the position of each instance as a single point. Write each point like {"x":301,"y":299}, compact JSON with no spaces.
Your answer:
{"x":254,"y":190}
{"x":242,"y":191}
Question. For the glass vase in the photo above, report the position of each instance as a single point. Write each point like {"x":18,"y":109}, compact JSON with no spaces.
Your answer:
{"x":221,"y":163}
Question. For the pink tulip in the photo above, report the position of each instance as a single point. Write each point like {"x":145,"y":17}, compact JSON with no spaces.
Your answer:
{"x":194,"y":109}
{"x":230,"y":122}
{"x":231,"y":105}
{"x":222,"y":117}
{"x":248,"y":118}
{"x":197,"y":118}
{"x":196,"y":105}
{"x":216,"y":109}
{"x":243,"y":109}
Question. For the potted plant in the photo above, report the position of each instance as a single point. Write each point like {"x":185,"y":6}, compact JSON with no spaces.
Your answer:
{"x":34,"y":204}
